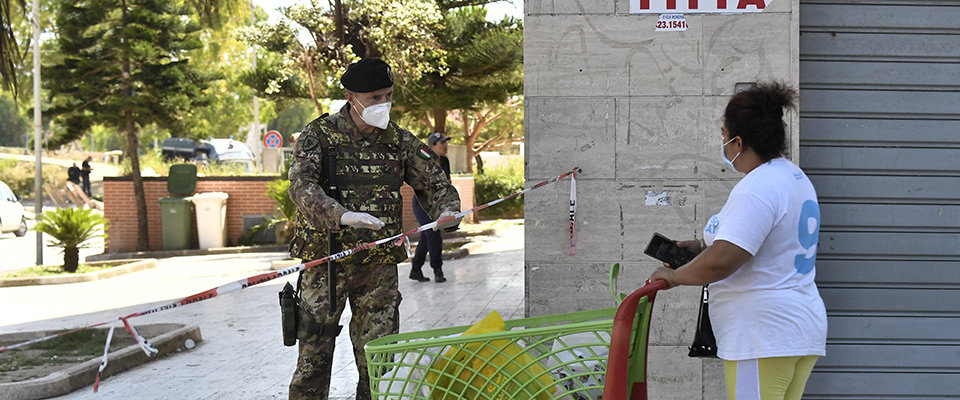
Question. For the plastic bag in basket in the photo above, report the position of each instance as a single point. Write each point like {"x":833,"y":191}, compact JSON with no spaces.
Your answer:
{"x":495,"y":369}
{"x":579,"y":363}
{"x":404,"y":381}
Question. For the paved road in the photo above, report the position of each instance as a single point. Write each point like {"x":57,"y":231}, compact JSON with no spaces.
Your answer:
{"x":242,"y":356}
{"x":21,"y":252}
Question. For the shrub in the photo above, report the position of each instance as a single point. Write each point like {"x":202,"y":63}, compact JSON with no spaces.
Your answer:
{"x":19,"y":175}
{"x":500,"y":182}
{"x":71,"y":229}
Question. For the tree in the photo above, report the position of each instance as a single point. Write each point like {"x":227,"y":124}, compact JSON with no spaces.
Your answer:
{"x":484,"y":64}
{"x":208,"y":10}
{"x":124,"y":66}
{"x":293,"y":118}
{"x":484,"y":74}
{"x":14,"y":125}
{"x":229,"y":102}
{"x":505,"y":123}
{"x":343,"y":32}
{"x":9,"y":52}
{"x":71,"y":229}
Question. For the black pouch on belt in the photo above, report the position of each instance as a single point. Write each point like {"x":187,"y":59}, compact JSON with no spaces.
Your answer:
{"x":289,"y":314}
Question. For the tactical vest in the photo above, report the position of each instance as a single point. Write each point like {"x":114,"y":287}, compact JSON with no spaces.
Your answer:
{"x":369,"y":179}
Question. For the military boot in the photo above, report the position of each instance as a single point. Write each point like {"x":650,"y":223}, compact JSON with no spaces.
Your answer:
{"x":417,"y":275}
{"x":438,"y":275}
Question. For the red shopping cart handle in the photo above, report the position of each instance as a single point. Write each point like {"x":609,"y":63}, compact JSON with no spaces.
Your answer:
{"x":615,"y":387}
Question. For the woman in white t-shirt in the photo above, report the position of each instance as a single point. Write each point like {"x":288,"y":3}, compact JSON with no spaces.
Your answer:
{"x":758,"y":256}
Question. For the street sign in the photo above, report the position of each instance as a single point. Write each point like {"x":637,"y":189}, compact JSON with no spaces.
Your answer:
{"x":272,"y":140}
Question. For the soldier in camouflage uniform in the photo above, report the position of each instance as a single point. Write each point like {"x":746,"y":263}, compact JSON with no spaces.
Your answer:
{"x":374,"y":157}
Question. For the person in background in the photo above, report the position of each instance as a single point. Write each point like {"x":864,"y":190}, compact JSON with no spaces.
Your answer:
{"x":758,"y":255}
{"x":85,"y":174}
{"x":430,"y":241}
{"x":372,"y":157}
{"x":73,"y":174}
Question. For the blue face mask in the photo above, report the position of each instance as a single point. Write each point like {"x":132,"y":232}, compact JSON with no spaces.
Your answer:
{"x":723,"y":155}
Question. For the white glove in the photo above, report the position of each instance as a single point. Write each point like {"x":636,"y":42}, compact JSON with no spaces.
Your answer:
{"x":361,"y":220}
{"x":450,"y":224}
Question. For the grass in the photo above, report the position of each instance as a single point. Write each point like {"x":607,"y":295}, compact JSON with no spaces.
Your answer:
{"x":75,"y":347}
{"x":53,"y":270}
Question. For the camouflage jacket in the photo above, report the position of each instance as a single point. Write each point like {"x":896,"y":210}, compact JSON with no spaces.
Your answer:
{"x":370,"y":169}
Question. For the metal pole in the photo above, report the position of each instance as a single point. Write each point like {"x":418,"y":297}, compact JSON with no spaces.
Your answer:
{"x":256,"y":103}
{"x":37,"y":127}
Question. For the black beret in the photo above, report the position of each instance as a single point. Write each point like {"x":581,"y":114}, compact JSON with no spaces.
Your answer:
{"x":367,"y":75}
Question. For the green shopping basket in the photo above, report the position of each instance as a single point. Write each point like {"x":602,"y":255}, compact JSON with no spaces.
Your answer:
{"x":586,"y":355}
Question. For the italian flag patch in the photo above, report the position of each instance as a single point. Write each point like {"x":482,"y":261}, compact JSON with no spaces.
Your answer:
{"x":423,"y":153}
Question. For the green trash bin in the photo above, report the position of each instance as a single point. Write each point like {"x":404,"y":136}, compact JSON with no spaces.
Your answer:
{"x":176,"y":213}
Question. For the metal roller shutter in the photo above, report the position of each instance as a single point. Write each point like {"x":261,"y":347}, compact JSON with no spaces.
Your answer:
{"x":880,"y":139}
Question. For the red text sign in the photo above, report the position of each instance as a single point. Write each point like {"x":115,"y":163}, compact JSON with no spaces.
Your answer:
{"x":697,"y":6}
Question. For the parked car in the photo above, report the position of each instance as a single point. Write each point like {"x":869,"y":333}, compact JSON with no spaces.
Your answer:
{"x":229,"y":151}
{"x":186,"y":149}
{"x":224,"y":151}
{"x":11,"y":212}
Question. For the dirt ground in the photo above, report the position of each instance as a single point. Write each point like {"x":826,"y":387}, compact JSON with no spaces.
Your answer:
{"x":44,"y":358}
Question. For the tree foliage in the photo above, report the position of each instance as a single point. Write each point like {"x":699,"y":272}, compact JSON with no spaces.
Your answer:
{"x":448,"y":61}
{"x":483,"y":64}
{"x":9,"y":52}
{"x":342,"y":32}
{"x":125,"y":65}
{"x":482,"y":82}
{"x":228,"y":102}
{"x":490,"y":128}
{"x":15,"y":124}
{"x":72,"y":229}
{"x":293,"y":118}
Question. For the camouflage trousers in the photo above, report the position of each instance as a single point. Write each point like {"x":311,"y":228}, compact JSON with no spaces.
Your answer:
{"x":375,"y":305}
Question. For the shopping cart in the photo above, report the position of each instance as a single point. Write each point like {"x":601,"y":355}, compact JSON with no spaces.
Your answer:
{"x":587,"y":355}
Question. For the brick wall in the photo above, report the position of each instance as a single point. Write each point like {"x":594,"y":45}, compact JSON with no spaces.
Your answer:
{"x":247,"y":197}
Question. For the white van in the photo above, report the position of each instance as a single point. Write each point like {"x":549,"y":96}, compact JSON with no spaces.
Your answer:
{"x":11,"y":212}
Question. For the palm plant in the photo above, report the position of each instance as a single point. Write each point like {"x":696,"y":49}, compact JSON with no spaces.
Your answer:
{"x":72,"y":229}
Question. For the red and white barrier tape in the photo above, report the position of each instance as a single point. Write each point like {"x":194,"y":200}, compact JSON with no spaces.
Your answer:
{"x":258,"y":279}
{"x":103,"y":362}
{"x":573,"y":213}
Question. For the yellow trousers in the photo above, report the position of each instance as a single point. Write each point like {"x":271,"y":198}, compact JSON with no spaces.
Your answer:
{"x":776,"y":378}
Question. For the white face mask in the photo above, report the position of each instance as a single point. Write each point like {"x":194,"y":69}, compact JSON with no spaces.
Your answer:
{"x":377,"y":115}
{"x":723,"y":155}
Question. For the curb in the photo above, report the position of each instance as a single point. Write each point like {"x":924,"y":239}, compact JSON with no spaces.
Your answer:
{"x":133,"y":266}
{"x":190,"y":252}
{"x":82,"y":375}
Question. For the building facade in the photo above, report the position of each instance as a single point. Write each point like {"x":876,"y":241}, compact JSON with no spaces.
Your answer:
{"x":878,"y":129}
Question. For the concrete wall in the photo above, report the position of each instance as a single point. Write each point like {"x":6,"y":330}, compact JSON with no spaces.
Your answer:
{"x":640,"y":111}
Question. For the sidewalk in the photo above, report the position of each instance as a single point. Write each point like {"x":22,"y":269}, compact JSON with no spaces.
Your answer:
{"x":242,"y":355}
